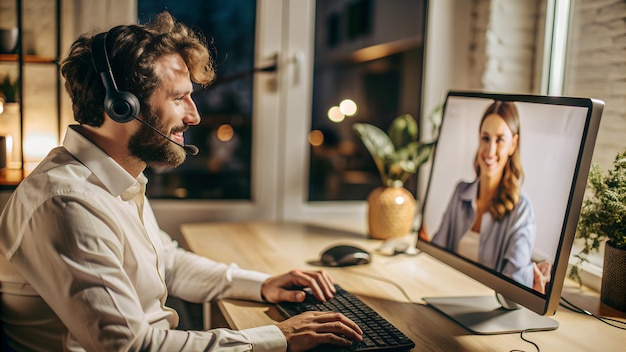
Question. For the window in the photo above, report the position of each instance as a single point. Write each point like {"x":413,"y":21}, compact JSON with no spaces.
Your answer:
{"x":369,"y":52}
{"x":368,"y":55}
{"x":280,"y":116}
{"x":224,"y":137}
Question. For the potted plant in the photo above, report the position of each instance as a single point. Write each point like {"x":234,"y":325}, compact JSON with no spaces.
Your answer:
{"x":603,"y":220}
{"x":397,"y":154}
{"x":8,"y":90}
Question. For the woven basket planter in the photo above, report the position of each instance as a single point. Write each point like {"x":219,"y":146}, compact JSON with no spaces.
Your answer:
{"x":390,"y":212}
{"x":613,"y":291}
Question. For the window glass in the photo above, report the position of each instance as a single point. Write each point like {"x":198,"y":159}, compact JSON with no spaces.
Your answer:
{"x":368,"y":55}
{"x":221,"y":170}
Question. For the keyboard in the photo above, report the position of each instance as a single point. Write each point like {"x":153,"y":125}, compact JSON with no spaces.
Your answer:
{"x":378,"y":333}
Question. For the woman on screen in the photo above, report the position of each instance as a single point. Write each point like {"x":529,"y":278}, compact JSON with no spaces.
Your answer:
{"x":491,"y":220}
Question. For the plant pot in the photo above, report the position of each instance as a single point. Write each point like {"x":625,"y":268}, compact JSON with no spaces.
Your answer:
{"x":390,"y":212}
{"x":8,"y":40}
{"x":613,"y":290}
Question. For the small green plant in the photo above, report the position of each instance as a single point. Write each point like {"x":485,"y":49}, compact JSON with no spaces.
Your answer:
{"x":603,"y":213}
{"x":9,"y":90}
{"x":397,"y":153}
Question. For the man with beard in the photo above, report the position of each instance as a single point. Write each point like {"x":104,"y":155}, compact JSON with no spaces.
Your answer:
{"x":84,"y":265}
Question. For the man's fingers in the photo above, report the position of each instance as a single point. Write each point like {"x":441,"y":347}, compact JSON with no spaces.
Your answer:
{"x":291,"y":296}
{"x":337,"y":323}
{"x":334,"y":339}
{"x":310,"y":329}
{"x":321,"y":284}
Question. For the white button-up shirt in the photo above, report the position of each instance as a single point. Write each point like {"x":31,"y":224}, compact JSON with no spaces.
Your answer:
{"x":84,"y":265}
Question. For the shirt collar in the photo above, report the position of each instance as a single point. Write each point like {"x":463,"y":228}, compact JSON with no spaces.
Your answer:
{"x":469,"y":194}
{"x":109,"y":172}
{"x":137,"y":189}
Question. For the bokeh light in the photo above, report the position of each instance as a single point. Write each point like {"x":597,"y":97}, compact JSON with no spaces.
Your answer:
{"x":335,"y":114}
{"x":225,"y":132}
{"x":348,"y":107}
{"x":316,"y":138}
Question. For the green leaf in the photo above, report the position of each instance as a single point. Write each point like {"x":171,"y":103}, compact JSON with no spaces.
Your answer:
{"x":377,"y":143}
{"x":398,"y":153}
{"x":603,"y":212}
{"x":403,"y":130}
{"x":9,"y":89}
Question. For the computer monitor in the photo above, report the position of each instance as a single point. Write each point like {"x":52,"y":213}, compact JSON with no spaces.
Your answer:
{"x":534,"y":224}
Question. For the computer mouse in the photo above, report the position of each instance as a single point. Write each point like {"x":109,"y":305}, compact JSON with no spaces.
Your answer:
{"x":345,"y":255}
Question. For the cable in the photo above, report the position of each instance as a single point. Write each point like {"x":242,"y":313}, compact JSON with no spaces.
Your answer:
{"x":606,"y":320}
{"x":521,"y":335}
{"x":568,"y":305}
{"x":408,"y":298}
{"x":384,"y":279}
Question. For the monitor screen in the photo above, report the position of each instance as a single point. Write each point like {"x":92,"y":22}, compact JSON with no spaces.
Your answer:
{"x":507,"y":181}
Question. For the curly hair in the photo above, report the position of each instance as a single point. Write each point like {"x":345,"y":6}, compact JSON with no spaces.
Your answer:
{"x":132,"y":51}
{"x":508,"y":192}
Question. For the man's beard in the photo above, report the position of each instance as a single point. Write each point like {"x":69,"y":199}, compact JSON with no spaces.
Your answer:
{"x":152,"y":148}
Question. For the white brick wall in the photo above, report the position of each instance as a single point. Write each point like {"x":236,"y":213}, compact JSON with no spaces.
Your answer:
{"x":504,"y":47}
{"x":596,"y":67}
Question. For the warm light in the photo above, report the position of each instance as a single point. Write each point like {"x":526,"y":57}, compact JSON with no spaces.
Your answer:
{"x":348,"y":107}
{"x":9,"y":141}
{"x":1,"y":106}
{"x":180,"y":192}
{"x":316,"y":138}
{"x":37,"y":146}
{"x":335,"y":114}
{"x":225,"y":132}
{"x":10,"y":128}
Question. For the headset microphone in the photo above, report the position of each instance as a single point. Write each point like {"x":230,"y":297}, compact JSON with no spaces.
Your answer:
{"x":121,"y":106}
{"x":189,"y":148}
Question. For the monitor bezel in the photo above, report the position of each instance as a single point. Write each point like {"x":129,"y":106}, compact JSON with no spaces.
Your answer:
{"x":542,"y":304}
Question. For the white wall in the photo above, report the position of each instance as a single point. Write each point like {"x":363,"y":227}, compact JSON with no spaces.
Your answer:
{"x":597,"y":69}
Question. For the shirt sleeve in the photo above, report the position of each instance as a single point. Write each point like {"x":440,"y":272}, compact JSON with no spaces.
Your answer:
{"x":518,"y":253}
{"x":455,"y":221}
{"x":262,"y":339}
{"x":198,"y":279}
{"x":72,"y":252}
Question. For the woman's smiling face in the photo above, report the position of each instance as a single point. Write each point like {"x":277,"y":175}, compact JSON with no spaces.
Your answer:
{"x":497,"y":143}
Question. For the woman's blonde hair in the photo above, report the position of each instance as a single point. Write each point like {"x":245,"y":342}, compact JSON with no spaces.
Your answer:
{"x":508,"y":192}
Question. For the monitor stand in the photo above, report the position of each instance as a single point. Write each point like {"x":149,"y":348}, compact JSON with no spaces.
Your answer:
{"x":485,"y":315}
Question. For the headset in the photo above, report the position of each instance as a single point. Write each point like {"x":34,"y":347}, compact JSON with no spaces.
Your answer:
{"x":121,"y":106}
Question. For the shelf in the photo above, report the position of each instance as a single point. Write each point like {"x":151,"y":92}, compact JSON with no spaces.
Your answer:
{"x":41,"y":96}
{"x":28,"y":59}
{"x":10,"y":178}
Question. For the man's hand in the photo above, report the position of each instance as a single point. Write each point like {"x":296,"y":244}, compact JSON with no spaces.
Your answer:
{"x":310,"y":329}
{"x":286,"y":287}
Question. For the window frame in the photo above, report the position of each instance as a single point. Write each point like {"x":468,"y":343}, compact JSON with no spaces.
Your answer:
{"x":265,"y":149}
{"x":296,"y":89}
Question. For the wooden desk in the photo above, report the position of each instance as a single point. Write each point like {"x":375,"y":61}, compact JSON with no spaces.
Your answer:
{"x":277,"y":248}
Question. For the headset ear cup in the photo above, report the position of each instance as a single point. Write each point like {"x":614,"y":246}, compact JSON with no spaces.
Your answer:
{"x":121,"y":106}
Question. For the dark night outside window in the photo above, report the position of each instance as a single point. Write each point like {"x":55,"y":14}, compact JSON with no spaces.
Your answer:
{"x":221,"y":170}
